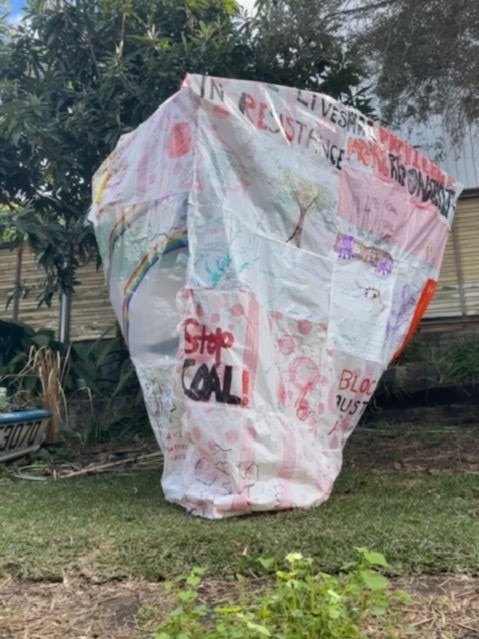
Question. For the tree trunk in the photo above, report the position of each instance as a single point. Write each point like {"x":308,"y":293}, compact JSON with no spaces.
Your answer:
{"x":295,"y":237}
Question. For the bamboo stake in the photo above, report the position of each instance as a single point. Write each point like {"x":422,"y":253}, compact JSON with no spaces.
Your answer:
{"x":115,"y":464}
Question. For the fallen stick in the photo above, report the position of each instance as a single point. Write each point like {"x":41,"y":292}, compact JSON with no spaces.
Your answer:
{"x":465,"y":627}
{"x":102,"y":467}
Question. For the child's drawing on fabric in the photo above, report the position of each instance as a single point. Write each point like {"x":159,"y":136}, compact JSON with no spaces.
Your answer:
{"x":373,"y":294}
{"x":377,"y":209}
{"x":309,"y":197}
{"x":348,"y":247}
{"x":179,"y":140}
{"x":401,"y":313}
{"x":212,"y":468}
{"x":304,"y":374}
{"x":360,"y":302}
{"x":236,"y":168}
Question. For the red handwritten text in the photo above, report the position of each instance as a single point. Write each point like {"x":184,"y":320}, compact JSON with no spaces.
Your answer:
{"x":199,"y":340}
{"x":350,"y":380}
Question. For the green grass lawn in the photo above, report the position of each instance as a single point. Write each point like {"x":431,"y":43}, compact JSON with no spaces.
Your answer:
{"x":118,"y":527}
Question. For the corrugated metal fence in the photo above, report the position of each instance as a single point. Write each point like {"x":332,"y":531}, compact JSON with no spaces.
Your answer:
{"x":457,"y":294}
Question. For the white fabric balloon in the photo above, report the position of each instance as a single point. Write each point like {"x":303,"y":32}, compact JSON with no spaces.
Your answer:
{"x":268,"y":251}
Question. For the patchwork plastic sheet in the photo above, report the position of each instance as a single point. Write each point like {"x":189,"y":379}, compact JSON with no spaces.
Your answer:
{"x":268,"y":251}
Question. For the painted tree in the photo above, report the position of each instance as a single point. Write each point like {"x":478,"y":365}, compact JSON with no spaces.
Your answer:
{"x":309,"y":196}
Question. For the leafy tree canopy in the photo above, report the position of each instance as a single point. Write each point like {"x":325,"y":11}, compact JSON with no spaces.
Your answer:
{"x":76,"y":74}
{"x":424,"y":56}
{"x":303,"y":43}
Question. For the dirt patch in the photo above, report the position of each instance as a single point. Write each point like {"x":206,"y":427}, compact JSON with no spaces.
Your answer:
{"x":64,"y":462}
{"x":76,"y":609}
{"x":445,"y":607}
{"x":412,"y":449}
{"x":401,"y":447}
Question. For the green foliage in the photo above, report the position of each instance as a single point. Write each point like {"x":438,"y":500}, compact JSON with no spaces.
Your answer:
{"x":456,"y":361}
{"x":303,"y":44}
{"x":461,"y":360}
{"x":425,"y":57}
{"x":415,"y":351}
{"x":102,"y":368}
{"x":76,"y":74}
{"x":16,"y":341}
{"x":302,"y":603}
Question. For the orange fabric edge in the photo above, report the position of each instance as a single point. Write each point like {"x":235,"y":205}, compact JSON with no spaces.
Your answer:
{"x":421,"y":307}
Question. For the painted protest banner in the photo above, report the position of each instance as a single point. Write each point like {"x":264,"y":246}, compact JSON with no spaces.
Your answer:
{"x":268,"y":251}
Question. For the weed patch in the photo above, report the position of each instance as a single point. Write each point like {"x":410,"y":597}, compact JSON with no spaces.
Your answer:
{"x":302,"y":602}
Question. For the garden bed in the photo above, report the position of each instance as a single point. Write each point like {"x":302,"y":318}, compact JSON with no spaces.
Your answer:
{"x":444,"y":606}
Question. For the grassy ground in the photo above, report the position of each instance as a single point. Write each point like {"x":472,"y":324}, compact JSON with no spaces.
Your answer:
{"x":86,"y":557}
{"x":120,"y":527}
